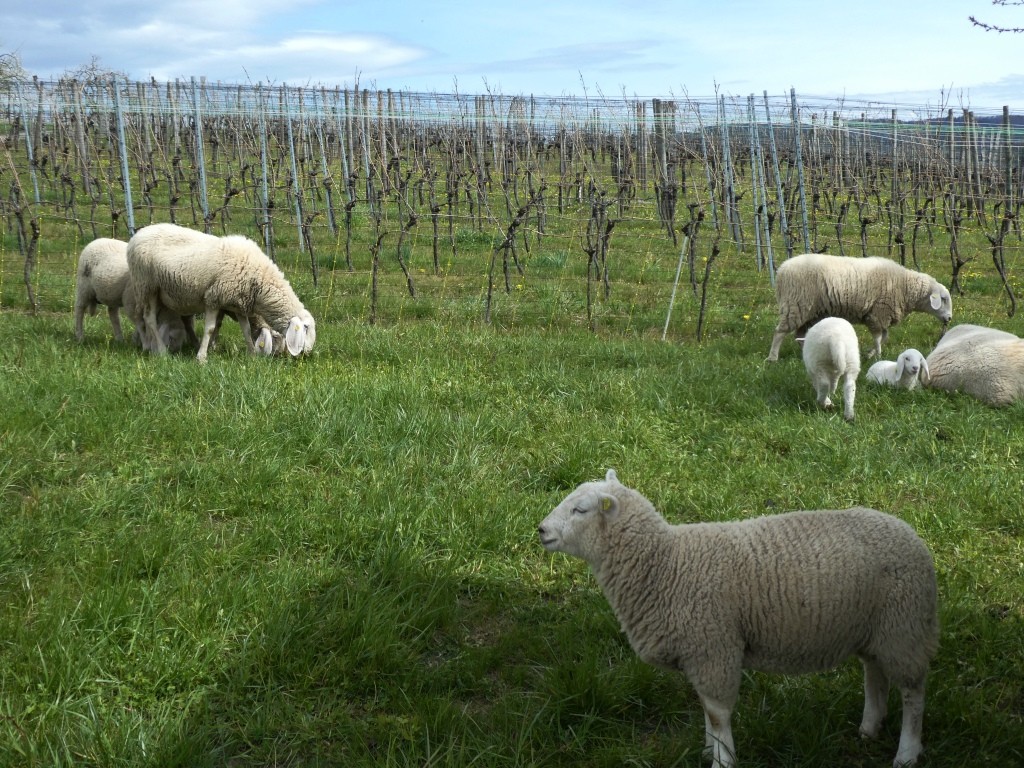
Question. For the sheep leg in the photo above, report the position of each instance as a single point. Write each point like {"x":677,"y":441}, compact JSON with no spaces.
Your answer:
{"x":243,"y":323}
{"x":718,"y":732}
{"x":849,"y":394}
{"x":880,"y":336}
{"x":79,"y":317}
{"x":823,"y":387}
{"x":910,"y":733}
{"x":876,"y":694}
{"x":190,"y":330}
{"x":151,"y":331}
{"x":777,"y":339}
{"x":115,"y":321}
{"x":209,"y":327}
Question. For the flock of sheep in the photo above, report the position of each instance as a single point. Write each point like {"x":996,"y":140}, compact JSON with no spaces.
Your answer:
{"x":789,"y":593}
{"x":801,"y":591}
{"x":820,"y":296}
{"x":166,"y":274}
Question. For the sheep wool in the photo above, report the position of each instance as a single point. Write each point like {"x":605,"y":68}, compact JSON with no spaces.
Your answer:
{"x":908,"y":370}
{"x":791,"y":593}
{"x":830,"y":353}
{"x":874,"y":291}
{"x":100,"y":279}
{"x":985,"y":363}
{"x":192,"y":272}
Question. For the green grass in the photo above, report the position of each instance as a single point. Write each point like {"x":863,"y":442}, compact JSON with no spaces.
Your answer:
{"x":332,"y":561}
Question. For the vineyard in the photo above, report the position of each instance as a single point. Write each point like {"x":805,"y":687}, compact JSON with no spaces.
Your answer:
{"x":510,"y":210}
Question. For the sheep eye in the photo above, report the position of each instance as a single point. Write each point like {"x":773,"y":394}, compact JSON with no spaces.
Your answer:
{"x":579,"y":511}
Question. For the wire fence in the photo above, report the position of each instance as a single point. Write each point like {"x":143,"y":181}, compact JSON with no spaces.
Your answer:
{"x":413,"y":202}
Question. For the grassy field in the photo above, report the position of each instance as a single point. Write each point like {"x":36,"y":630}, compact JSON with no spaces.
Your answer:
{"x":333,"y":561}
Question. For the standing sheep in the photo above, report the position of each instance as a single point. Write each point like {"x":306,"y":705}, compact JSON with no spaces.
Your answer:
{"x":191,"y":272}
{"x":874,"y":291}
{"x":102,"y":278}
{"x":830,"y":353}
{"x":986,"y":363}
{"x":791,"y":593}
{"x":907,"y":372}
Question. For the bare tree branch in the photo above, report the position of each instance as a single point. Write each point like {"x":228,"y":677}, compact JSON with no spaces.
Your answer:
{"x":998,"y":27}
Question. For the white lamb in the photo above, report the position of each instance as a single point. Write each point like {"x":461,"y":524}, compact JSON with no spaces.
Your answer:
{"x":909,"y":370}
{"x":986,"y":363}
{"x":830,"y":353}
{"x":874,"y":291}
{"x":791,"y":593}
{"x":191,"y":273}
{"x":102,"y":278}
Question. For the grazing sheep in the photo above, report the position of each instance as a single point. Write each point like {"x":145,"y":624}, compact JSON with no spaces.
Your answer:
{"x":874,"y":291}
{"x":791,"y":593}
{"x":102,"y":278}
{"x":986,"y":363}
{"x":907,"y":372}
{"x":830,"y":353}
{"x":191,"y":272}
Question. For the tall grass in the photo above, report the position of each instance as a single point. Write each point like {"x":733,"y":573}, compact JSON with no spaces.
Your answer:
{"x":332,"y":561}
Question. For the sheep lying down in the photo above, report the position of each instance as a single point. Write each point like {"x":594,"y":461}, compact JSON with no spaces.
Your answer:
{"x":790,"y":593}
{"x":906,"y":372}
{"x":985,"y":363}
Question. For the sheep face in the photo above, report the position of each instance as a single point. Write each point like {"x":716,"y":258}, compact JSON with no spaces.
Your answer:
{"x":939,"y":303}
{"x":301,"y":334}
{"x":575,"y":526}
{"x":911,"y":367}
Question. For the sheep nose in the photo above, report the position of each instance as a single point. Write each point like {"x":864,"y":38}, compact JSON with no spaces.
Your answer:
{"x":540,"y":530}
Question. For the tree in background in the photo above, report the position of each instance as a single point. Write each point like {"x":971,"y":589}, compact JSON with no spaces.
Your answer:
{"x":997,"y":27}
{"x":11,"y":70}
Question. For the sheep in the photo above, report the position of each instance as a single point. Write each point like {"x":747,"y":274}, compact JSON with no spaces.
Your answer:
{"x":792,"y":593}
{"x":830,"y":353}
{"x":874,"y":291}
{"x":907,"y":372}
{"x":102,"y":278}
{"x":192,"y":272}
{"x":986,"y":363}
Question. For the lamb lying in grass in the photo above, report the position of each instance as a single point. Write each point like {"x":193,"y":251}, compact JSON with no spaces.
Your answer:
{"x":909,"y":370}
{"x":791,"y":593}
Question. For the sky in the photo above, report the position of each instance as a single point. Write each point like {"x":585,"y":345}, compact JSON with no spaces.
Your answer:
{"x":899,"y":51}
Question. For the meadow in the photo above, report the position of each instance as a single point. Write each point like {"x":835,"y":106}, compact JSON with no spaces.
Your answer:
{"x":333,"y":560}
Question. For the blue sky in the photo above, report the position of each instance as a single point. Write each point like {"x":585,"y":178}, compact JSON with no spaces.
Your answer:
{"x":903,"y":51}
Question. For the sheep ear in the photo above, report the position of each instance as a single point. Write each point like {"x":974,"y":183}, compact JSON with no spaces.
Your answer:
{"x":611,"y":476}
{"x":295,"y":337}
{"x":936,"y":299}
{"x":924,"y":375}
{"x":607,"y":504}
{"x":901,"y":363}
{"x":264,"y":343}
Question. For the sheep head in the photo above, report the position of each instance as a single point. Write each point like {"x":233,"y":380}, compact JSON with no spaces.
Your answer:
{"x":575,"y":526}
{"x":938,"y":303}
{"x":301,"y":334}
{"x":911,"y":365}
